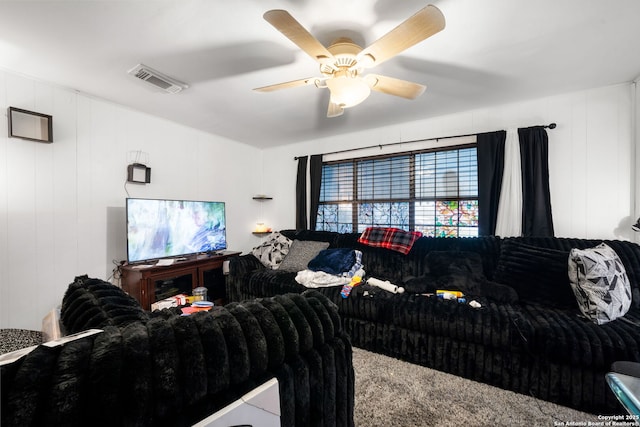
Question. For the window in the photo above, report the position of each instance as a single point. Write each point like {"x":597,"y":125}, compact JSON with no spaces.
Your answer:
{"x":435,"y":192}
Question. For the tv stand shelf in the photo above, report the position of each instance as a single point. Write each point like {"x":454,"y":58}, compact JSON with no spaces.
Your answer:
{"x":151,"y":283}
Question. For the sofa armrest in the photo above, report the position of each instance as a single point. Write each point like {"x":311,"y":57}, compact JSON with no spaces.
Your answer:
{"x":240,"y":267}
{"x":243,"y":264}
{"x":177,"y":370}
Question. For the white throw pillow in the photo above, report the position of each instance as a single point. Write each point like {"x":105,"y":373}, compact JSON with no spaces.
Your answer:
{"x":600,"y":283}
{"x":273,"y":250}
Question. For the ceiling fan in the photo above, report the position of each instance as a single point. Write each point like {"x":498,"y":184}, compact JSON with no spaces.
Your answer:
{"x":343,"y":62}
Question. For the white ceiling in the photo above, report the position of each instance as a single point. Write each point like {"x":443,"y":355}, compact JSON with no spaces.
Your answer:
{"x":491,"y":52}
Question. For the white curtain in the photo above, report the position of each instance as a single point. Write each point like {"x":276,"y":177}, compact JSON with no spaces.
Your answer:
{"x":509,"y":221}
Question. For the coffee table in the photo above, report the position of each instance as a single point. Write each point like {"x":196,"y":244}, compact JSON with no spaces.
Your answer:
{"x":627,"y":390}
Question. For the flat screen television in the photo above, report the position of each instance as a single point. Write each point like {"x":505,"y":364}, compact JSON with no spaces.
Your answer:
{"x":173,"y":228}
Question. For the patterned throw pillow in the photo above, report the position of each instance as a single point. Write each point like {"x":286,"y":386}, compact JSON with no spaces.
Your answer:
{"x":600,"y":283}
{"x":273,"y":250}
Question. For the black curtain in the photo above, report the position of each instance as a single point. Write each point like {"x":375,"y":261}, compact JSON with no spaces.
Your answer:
{"x":315,"y":172}
{"x":536,"y":197}
{"x":301,"y":194}
{"x":490,"y":167}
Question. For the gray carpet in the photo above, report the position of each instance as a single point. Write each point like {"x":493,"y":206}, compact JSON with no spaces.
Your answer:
{"x":390,"y":392}
{"x":15,"y":339}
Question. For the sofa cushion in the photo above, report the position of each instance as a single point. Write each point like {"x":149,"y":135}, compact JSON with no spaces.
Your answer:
{"x":424,"y":284}
{"x":628,"y":252}
{"x":316,"y":236}
{"x":300,"y":253}
{"x":539,"y":275}
{"x":458,"y":271}
{"x":600,"y":283}
{"x":273,"y":250}
{"x":579,"y":342}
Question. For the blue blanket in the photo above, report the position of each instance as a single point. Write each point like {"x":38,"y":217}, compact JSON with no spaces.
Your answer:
{"x":333,"y":261}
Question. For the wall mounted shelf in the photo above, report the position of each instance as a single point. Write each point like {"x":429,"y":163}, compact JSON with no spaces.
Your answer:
{"x":261,"y":230}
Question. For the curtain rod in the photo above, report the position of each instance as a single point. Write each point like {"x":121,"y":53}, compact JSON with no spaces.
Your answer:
{"x":549,"y":126}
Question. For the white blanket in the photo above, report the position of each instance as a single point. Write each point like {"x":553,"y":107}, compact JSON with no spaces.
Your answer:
{"x":320,"y":279}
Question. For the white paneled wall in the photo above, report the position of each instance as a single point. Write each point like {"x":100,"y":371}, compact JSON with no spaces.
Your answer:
{"x":62,"y":204}
{"x":591,"y":155}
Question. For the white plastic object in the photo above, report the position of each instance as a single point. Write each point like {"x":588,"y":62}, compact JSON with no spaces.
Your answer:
{"x":386,"y":285}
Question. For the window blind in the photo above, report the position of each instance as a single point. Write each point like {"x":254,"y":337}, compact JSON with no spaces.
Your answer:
{"x":432,"y":191}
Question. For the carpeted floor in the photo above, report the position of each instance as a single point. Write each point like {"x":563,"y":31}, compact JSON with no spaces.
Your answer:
{"x":390,"y":392}
{"x":15,"y":339}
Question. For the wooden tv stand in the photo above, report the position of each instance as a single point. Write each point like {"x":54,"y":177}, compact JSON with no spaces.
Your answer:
{"x":149,"y":283}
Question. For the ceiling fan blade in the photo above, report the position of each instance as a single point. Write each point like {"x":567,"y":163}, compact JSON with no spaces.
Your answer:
{"x":397,"y":87}
{"x":423,"y":24}
{"x":286,"y":85}
{"x":287,"y":25}
{"x":334,"y":109}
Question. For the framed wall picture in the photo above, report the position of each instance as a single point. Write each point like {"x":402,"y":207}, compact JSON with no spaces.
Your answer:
{"x":30,"y":125}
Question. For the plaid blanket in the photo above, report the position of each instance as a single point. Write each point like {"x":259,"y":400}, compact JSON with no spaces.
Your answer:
{"x":389,"y":238}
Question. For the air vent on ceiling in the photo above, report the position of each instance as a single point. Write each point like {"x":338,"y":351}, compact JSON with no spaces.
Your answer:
{"x":157,"y":79}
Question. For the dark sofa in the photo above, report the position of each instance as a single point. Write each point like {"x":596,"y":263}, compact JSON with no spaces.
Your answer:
{"x":164,"y":369}
{"x":528,"y":336}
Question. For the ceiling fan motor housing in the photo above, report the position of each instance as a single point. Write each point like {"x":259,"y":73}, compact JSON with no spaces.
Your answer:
{"x":345,"y":52}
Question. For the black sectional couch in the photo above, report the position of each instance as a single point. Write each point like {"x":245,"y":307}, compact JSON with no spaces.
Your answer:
{"x":528,"y":336}
{"x":164,"y":369}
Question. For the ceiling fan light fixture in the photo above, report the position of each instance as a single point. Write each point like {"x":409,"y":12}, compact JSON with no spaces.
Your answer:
{"x":343,"y":62}
{"x":348,"y":91}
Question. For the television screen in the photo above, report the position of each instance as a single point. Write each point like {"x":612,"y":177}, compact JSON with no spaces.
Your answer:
{"x":171,"y":228}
